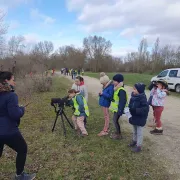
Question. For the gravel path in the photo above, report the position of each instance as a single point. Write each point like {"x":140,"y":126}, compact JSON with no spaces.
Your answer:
{"x":166,"y":145}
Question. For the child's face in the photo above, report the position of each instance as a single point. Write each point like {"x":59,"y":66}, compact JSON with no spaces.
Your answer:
{"x":71,"y":95}
{"x":135,"y":91}
{"x":77,"y":82}
{"x":115,"y":83}
{"x":160,"y":86}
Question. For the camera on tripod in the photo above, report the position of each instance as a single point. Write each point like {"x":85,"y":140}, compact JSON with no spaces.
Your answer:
{"x":59,"y":105}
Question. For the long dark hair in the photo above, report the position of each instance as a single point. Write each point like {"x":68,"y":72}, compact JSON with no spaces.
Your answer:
{"x":81,"y":79}
{"x":5,"y":75}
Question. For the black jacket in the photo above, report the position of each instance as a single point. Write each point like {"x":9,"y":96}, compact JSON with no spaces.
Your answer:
{"x":139,"y":109}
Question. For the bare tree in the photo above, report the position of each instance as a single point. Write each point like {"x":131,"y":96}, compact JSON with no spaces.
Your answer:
{"x":96,"y":48}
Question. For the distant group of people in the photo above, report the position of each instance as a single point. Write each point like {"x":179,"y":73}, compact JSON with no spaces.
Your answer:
{"x":72,"y":72}
{"x":113,"y":97}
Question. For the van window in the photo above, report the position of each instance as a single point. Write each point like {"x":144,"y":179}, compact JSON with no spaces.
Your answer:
{"x":173,"y":73}
{"x":163,"y":74}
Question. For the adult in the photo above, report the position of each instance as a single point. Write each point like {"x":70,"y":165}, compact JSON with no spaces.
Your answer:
{"x":10,"y":114}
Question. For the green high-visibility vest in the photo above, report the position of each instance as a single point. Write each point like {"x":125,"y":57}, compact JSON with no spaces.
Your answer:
{"x":115,"y":102}
{"x":76,"y":107}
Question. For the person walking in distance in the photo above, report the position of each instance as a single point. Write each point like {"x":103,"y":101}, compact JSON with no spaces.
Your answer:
{"x":10,"y":114}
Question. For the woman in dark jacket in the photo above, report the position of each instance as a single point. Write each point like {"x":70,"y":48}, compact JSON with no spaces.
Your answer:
{"x":139,"y":109}
{"x":10,"y":114}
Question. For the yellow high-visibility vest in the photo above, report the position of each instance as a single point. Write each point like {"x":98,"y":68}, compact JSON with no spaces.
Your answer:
{"x":76,"y":106}
{"x":115,"y":102}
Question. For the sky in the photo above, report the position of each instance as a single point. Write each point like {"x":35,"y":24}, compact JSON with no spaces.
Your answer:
{"x":66,"y":22}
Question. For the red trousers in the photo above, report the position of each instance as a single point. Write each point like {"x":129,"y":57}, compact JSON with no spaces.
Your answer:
{"x":157,"y":110}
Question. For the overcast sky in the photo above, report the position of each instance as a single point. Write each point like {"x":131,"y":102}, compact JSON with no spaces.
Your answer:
{"x":122,"y":22}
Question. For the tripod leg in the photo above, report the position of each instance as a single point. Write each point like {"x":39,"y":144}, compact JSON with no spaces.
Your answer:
{"x":67,"y":120}
{"x":63,"y":125}
{"x":55,"y":121}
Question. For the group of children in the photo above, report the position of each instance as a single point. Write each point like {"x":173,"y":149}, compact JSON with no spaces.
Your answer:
{"x":114,"y":97}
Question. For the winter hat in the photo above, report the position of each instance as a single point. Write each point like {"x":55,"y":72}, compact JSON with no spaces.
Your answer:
{"x":105,"y":79}
{"x":119,"y":78}
{"x":102,"y":74}
{"x":140,"y":87}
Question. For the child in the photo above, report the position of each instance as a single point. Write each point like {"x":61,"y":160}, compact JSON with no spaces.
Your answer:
{"x":139,"y":109}
{"x":118,"y":104}
{"x":81,"y":111}
{"x":80,"y":86}
{"x":105,"y":98}
{"x":158,"y":93}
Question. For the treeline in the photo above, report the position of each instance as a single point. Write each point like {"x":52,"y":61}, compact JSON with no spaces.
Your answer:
{"x":94,"y":55}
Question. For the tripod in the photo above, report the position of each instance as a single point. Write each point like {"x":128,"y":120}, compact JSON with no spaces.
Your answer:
{"x":60,"y":112}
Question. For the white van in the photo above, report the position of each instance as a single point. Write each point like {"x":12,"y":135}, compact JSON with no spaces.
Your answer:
{"x":171,"y":76}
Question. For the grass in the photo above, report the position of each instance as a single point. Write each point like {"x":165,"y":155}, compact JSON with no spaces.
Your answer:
{"x":54,"y":157}
{"x":131,"y":78}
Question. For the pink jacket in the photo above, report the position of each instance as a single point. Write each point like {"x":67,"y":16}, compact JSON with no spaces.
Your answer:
{"x":158,"y":97}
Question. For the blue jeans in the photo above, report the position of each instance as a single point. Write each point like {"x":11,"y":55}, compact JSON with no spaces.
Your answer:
{"x":138,"y":135}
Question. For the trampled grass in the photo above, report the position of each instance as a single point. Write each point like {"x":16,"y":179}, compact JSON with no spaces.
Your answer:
{"x":54,"y":157}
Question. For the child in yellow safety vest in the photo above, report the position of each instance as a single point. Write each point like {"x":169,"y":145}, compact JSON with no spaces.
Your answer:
{"x":81,"y":111}
{"x":118,"y":103}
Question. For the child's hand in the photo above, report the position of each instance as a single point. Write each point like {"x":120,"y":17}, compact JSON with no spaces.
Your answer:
{"x":100,"y":93}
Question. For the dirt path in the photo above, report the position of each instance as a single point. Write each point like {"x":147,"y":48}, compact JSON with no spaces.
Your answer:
{"x":167,"y":145}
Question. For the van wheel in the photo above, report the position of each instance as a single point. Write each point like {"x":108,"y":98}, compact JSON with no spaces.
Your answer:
{"x":177,"y":88}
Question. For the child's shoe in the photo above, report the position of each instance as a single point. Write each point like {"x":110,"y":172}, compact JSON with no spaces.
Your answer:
{"x":132,"y":144}
{"x":116,"y":136}
{"x":157,"y":131}
{"x":136,"y":149}
{"x":103,"y":133}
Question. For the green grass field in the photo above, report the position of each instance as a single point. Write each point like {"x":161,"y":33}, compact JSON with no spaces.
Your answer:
{"x":91,"y":158}
{"x":129,"y":78}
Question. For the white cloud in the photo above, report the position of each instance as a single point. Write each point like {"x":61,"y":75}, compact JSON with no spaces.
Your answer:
{"x":133,"y":18}
{"x":13,"y":3}
{"x":31,"y":38}
{"x":35,"y":14}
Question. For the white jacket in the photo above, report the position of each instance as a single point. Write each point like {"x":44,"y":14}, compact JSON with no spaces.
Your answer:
{"x":82,"y":89}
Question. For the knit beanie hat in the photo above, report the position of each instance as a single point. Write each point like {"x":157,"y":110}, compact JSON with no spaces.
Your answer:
{"x":105,"y":79}
{"x":119,"y":78}
{"x":102,"y":74}
{"x":140,"y":87}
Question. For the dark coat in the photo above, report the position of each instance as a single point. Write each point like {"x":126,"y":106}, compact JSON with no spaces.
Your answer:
{"x":10,"y":112}
{"x":139,"y":109}
{"x":107,"y":95}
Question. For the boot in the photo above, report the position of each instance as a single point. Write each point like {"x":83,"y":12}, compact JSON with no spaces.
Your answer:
{"x":116,"y":136}
{"x":157,"y":131}
{"x":25,"y":176}
{"x":132,"y":144}
{"x":136,"y":149}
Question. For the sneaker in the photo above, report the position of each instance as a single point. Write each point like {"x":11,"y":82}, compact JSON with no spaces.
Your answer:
{"x":116,"y":136}
{"x":25,"y":176}
{"x":157,"y":131}
{"x":103,"y":133}
{"x":132,"y":144}
{"x":136,"y":149}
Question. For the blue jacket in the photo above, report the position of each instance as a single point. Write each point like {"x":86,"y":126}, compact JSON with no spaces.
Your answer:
{"x":139,"y":109}
{"x":107,"y":95}
{"x":10,"y":113}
